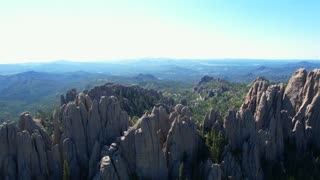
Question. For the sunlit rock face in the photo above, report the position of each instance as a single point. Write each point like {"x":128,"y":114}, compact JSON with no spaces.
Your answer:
{"x":156,"y":145}
{"x":83,"y":126}
{"x":271,"y":116}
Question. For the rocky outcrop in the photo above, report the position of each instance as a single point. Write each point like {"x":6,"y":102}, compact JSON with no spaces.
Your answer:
{"x":242,"y":155}
{"x":230,"y":166}
{"x":209,"y":87}
{"x":146,"y":148}
{"x":253,"y":97}
{"x":133,"y":99}
{"x":214,"y":120}
{"x":84,"y":129}
{"x":8,"y":146}
{"x":154,"y":147}
{"x":81,"y":128}
{"x":272,"y":115}
{"x":86,"y":126}
{"x":239,"y":128}
{"x":264,"y":101}
{"x":70,"y":96}
{"x":292,"y":98}
{"x":26,"y":151}
{"x":182,"y":143}
{"x":250,"y":161}
{"x":306,"y":126}
{"x":140,"y":151}
{"x":256,"y":130}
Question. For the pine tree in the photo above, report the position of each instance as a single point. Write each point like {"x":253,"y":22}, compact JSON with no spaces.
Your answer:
{"x":181,"y":171}
{"x":66,"y":175}
{"x":214,"y":141}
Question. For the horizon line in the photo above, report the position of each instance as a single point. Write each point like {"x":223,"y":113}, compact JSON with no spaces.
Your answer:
{"x":158,"y":58}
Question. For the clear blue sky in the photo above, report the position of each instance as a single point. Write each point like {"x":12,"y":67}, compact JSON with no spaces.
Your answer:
{"x":41,"y":30}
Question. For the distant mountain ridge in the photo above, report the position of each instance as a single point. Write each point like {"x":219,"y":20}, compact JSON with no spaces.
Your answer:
{"x":173,"y":69}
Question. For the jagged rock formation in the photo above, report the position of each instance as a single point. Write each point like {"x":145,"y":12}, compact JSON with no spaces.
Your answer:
{"x":271,"y":116}
{"x":26,"y":151}
{"x":264,"y":102}
{"x":293,"y":93}
{"x":81,"y":128}
{"x":70,"y":96}
{"x":85,"y":128}
{"x":133,"y":99}
{"x":255,"y":131}
{"x":86,"y":125}
{"x":214,"y":120}
{"x":305,"y":121}
{"x":209,"y":87}
{"x":182,"y":142}
{"x":286,"y":112}
{"x":241,"y":156}
{"x":151,"y":150}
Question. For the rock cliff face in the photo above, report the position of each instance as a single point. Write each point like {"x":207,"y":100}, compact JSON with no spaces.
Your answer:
{"x":214,"y":120}
{"x":91,"y":139}
{"x":86,"y":125}
{"x":300,"y":101}
{"x":182,"y":142}
{"x":256,"y":131}
{"x":26,"y":151}
{"x":154,"y":148}
{"x":264,"y":101}
{"x":81,"y":128}
{"x":271,"y":116}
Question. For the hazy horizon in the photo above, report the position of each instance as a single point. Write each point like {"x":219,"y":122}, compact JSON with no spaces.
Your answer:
{"x":158,"y":58}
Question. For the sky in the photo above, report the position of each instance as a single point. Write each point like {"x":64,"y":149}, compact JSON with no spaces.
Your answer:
{"x":95,"y":30}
